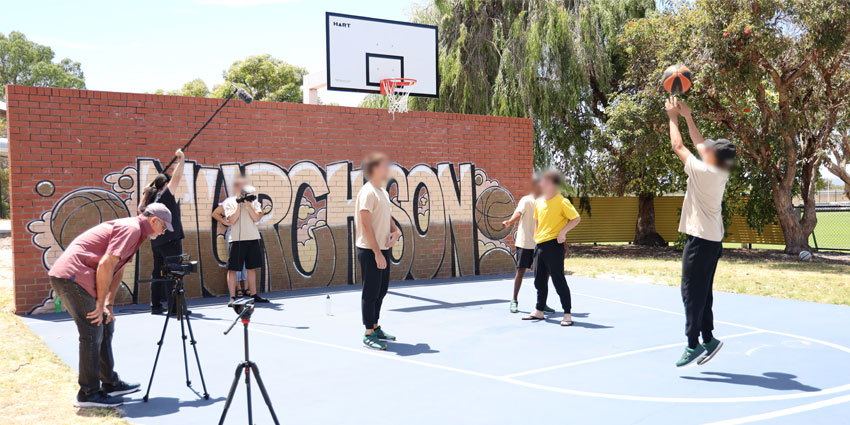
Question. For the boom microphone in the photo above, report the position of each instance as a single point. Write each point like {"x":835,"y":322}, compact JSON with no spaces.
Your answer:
{"x":244,"y":96}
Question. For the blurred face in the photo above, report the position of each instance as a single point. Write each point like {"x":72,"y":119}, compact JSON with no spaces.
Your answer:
{"x":158,"y":226}
{"x":535,"y":188}
{"x":237,"y":186}
{"x":381,"y":171}
{"x":547,"y":187}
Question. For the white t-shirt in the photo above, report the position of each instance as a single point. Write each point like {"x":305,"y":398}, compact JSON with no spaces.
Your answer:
{"x":377,"y":201}
{"x":526,"y":228}
{"x":701,"y":210}
{"x":244,"y":229}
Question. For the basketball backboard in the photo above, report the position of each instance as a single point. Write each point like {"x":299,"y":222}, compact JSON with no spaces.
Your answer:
{"x":361,"y":51}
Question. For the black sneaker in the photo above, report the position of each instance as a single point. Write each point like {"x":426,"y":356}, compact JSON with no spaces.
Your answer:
{"x":98,"y":399}
{"x":121,"y":388}
{"x":157,"y":309}
{"x":258,"y":299}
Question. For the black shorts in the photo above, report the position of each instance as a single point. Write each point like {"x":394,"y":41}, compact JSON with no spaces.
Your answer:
{"x":524,"y":258}
{"x":247,"y":253}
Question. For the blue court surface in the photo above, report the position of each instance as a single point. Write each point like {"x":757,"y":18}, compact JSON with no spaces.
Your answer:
{"x":462,"y":358}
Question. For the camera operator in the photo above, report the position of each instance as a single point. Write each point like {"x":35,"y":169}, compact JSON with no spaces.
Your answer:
{"x":243,"y":211}
{"x":86,"y":278}
{"x":171,"y":243}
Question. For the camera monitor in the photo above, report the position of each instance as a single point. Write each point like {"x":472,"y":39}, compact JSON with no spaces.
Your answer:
{"x":363,"y":51}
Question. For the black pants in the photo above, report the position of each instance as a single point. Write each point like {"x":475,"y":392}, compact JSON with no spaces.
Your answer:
{"x":699,"y":261}
{"x":96,"y":362}
{"x":549,"y":262}
{"x":376,"y":282}
{"x":161,"y":291}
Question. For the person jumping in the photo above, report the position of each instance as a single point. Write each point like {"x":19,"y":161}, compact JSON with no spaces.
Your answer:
{"x":703,"y":223}
{"x":524,"y":240}
{"x":555,"y":217}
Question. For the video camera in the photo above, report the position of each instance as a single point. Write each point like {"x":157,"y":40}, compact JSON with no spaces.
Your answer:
{"x":241,"y":305}
{"x":247,"y":194}
{"x":179,"y":266}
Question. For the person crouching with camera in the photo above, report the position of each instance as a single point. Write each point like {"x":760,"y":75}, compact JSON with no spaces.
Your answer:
{"x":243,"y":211}
{"x":376,"y":234}
{"x":86,"y":278}
{"x":170,"y":244}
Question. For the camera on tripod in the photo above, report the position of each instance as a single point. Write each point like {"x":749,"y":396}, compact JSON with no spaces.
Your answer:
{"x":178,"y":266}
{"x":242,"y":304}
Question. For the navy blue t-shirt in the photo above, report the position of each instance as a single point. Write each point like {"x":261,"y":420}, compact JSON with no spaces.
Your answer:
{"x":167,"y":198}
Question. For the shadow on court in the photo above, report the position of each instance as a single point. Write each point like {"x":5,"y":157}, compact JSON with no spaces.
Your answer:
{"x":157,"y":406}
{"x":438,"y":304}
{"x":771,"y":380}
{"x":402,"y":349}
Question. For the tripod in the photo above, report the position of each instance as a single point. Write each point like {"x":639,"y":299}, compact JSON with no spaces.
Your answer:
{"x":248,"y":367}
{"x":178,"y":305}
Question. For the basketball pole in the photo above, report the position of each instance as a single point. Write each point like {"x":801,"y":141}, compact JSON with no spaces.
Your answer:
{"x":243,"y":96}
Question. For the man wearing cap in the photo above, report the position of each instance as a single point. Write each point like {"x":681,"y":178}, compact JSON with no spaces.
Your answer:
{"x":86,"y":278}
{"x":702,"y":222}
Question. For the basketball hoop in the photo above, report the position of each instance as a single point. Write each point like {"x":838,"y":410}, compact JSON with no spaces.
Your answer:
{"x":397,"y":91}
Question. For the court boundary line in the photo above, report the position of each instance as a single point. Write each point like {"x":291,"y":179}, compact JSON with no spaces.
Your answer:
{"x":785,"y":412}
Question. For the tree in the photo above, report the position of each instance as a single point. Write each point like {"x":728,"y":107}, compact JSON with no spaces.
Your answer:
{"x":559,"y":63}
{"x":838,"y":158}
{"x":24,"y":62}
{"x":194,"y":88}
{"x":769,"y":74}
{"x":265,"y":77}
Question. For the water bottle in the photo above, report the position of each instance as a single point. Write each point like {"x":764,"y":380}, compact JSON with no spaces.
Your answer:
{"x":57,"y":303}
{"x":328,"y":305}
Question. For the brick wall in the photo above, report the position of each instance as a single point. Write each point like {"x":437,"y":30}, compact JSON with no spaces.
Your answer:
{"x":79,"y":157}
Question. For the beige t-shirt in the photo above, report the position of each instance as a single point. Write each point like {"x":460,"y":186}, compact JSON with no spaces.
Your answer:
{"x":526,"y":228}
{"x":701,"y":210}
{"x":377,"y":201}
{"x":244,"y":229}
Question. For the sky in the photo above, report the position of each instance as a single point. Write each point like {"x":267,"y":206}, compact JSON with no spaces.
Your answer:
{"x":144,"y":46}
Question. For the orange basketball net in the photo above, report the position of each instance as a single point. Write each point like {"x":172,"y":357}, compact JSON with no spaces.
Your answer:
{"x":397,"y":91}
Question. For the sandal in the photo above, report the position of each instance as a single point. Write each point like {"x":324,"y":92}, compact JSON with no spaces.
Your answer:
{"x":566,"y":322}
{"x":533,"y":317}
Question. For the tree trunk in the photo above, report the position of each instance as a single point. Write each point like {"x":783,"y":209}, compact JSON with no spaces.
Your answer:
{"x":645,"y":233}
{"x":795,"y":228}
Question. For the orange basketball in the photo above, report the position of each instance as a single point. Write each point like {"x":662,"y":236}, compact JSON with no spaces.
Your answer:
{"x":676,"y":79}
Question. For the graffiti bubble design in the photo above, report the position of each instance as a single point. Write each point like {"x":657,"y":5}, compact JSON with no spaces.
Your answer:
{"x":45,"y":188}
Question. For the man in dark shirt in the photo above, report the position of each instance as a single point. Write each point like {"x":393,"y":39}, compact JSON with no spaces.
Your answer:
{"x":170,"y":243}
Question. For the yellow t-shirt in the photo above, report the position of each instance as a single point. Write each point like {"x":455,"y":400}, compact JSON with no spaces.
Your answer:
{"x":552,"y":215}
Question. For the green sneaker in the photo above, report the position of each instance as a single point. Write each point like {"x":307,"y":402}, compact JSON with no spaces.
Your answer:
{"x":373,"y":342}
{"x":690,"y":355}
{"x":514,"y":306}
{"x":383,"y":335}
{"x":548,"y":309}
{"x":711,"y":348}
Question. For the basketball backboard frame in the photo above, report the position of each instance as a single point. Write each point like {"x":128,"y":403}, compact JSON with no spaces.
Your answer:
{"x":389,"y":57}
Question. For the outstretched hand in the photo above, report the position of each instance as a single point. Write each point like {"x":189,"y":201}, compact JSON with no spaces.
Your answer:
{"x":672,"y":107}
{"x":684,"y":109}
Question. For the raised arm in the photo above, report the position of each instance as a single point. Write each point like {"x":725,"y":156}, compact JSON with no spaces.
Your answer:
{"x":693,"y":131}
{"x":672,"y":107}
{"x":174,"y":183}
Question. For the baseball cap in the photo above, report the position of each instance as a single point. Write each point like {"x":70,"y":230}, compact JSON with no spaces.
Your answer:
{"x":160,"y":211}
{"x":724,"y":150}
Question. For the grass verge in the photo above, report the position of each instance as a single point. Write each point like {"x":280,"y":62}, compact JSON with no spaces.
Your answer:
{"x":826,"y":279}
{"x":36,"y":386}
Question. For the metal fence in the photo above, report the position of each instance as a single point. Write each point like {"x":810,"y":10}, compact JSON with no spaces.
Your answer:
{"x":832,"y":232}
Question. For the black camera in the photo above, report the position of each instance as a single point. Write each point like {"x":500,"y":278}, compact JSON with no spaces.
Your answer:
{"x":241,"y":305}
{"x":246,"y":197}
{"x":178,"y":266}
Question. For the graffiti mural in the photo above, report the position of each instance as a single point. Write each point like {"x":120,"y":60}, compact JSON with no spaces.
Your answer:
{"x":450,"y":217}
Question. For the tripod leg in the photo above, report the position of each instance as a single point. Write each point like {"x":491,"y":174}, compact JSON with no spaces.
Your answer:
{"x":197,"y":359}
{"x":156,"y":359}
{"x":232,"y":391}
{"x":264,"y":392}
{"x":178,"y":309}
{"x":248,"y":390}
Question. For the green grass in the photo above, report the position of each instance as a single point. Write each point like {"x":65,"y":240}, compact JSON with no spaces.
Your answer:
{"x":832,"y":231}
{"x":771,"y":275}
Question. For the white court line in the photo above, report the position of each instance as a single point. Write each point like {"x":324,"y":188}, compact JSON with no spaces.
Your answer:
{"x":785,"y":412}
{"x":614,"y":356}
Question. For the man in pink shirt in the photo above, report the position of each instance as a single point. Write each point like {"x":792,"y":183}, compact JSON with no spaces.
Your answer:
{"x":86,"y":278}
